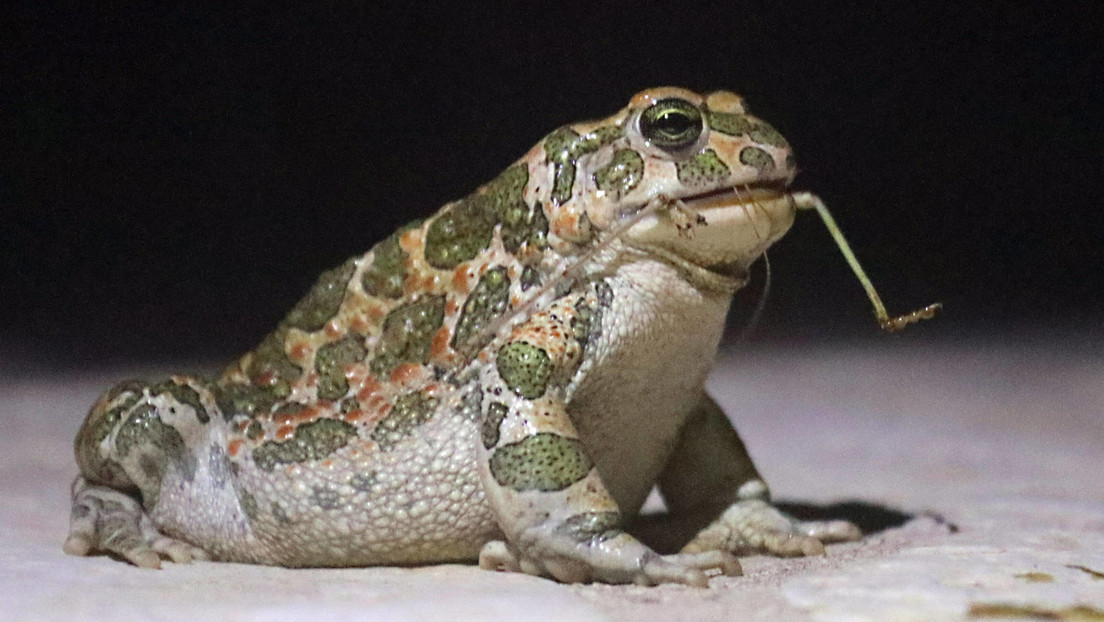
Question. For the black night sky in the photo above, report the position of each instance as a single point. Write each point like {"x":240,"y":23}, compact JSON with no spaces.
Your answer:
{"x":175,"y":177}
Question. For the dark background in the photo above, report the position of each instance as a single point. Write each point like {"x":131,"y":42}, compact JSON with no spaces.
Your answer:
{"x":175,"y":178}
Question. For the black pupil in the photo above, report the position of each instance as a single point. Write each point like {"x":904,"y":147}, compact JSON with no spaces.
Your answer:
{"x":672,"y":122}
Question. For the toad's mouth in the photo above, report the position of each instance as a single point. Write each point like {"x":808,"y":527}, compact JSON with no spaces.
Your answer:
{"x":745,"y":195}
{"x":721,"y":231}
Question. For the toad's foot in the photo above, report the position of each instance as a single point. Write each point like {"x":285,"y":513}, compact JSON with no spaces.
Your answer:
{"x":624,"y":561}
{"x":105,"y":520}
{"x":755,"y":526}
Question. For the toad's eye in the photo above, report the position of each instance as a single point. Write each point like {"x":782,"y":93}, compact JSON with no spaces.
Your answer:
{"x":671,"y":124}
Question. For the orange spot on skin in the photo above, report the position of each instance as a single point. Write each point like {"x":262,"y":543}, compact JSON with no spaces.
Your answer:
{"x":233,"y":448}
{"x":333,"y":329}
{"x":452,"y":307}
{"x":308,"y":414}
{"x":353,"y":415}
{"x":266,"y":378}
{"x":440,"y":345}
{"x":360,"y":325}
{"x":410,"y":240}
{"x":299,"y":352}
{"x":566,"y":225}
{"x":285,"y":432}
{"x":375,"y":314}
{"x":369,"y":387}
{"x":461,"y":277}
{"x":407,"y":372}
{"x":375,"y":402}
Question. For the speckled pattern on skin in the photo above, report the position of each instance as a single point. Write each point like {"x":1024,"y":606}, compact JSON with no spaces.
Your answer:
{"x":503,"y":381}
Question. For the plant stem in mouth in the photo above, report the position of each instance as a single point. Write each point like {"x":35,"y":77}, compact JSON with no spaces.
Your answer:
{"x":806,"y":201}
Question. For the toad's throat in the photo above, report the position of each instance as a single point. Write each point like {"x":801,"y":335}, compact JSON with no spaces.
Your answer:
{"x":721,"y":232}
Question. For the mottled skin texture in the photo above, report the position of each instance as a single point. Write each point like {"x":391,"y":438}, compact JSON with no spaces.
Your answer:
{"x":503,"y":381}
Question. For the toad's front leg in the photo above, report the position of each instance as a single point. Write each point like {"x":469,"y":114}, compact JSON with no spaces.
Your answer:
{"x":558,"y":517}
{"x":710,"y":481}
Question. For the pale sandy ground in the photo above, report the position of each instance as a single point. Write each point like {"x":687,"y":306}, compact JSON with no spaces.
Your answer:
{"x":1005,"y":444}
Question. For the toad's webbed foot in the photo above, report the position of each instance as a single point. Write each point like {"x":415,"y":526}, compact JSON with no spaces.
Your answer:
{"x":756,"y":526}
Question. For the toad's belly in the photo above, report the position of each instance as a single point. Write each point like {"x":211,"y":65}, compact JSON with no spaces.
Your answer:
{"x":415,"y":502}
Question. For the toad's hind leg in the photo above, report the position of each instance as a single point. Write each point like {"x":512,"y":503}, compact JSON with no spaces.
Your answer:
{"x":129,"y":442}
{"x":107,"y":520}
{"x":711,"y":486}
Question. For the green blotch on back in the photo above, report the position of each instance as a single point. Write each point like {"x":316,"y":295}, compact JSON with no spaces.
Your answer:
{"x":323,"y":300}
{"x":564,"y":147}
{"x":270,"y":368}
{"x":543,"y":461}
{"x":488,"y":300}
{"x":330,"y":363}
{"x":496,"y":412}
{"x":384,"y":276}
{"x":242,"y":399}
{"x":465,"y":229}
{"x":704,"y":169}
{"x":409,"y":411}
{"x":758,"y":158}
{"x":520,"y":223}
{"x":457,"y":235}
{"x":524,"y":368}
{"x":622,"y":174}
{"x":407,"y":334}
{"x":557,"y":146}
{"x":310,"y":441}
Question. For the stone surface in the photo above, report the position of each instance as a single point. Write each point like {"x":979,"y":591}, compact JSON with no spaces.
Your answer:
{"x":979,"y":469}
